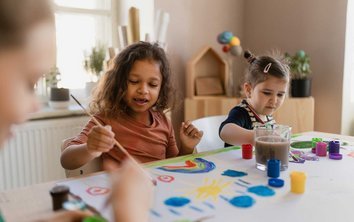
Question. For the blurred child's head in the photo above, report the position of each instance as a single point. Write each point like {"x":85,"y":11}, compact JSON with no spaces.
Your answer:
{"x":266,"y":82}
{"x":27,"y":46}
{"x":139,"y":80}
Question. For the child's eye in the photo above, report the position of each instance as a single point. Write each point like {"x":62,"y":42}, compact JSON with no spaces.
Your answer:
{"x":280,"y":95}
{"x":154,"y":85}
{"x":133,"y":81}
{"x":267,"y":93}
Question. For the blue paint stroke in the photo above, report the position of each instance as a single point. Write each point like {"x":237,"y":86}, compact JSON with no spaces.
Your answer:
{"x":224,"y":198}
{"x":243,"y":181}
{"x":174,"y":212}
{"x":242,"y":201}
{"x":195,"y":208}
{"x":177,"y":201}
{"x":234,"y":173}
{"x":197,"y":165}
{"x":211,"y":206}
{"x":155,"y":213}
{"x":261,"y":190}
{"x":240,"y":184}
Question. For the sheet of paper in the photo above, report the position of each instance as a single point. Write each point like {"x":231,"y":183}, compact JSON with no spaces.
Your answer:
{"x":224,"y":187}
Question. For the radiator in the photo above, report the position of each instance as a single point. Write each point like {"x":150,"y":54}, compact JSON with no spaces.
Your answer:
{"x":33,"y":154}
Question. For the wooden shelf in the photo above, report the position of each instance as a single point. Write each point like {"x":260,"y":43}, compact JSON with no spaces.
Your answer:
{"x":295,"y":112}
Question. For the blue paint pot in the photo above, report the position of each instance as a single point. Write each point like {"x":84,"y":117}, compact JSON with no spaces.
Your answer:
{"x":273,"y":168}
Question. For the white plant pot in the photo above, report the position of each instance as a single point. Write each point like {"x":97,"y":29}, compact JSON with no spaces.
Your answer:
{"x":89,"y":87}
{"x":59,"y":98}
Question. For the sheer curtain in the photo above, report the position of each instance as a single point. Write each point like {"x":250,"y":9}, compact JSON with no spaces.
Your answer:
{"x":348,"y":80}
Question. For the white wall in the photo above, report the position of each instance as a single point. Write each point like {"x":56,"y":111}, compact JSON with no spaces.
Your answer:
{"x":194,"y":24}
{"x":318,"y":27}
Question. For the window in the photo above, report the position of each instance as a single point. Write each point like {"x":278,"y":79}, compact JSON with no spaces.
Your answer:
{"x":80,"y":25}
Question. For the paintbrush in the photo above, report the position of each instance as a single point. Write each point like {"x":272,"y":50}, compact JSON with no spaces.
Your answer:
{"x":121,"y":148}
{"x":87,"y":206}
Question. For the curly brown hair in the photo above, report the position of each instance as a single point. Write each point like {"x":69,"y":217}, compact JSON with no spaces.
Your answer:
{"x":108,"y":97}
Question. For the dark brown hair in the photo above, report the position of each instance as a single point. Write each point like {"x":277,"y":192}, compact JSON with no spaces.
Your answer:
{"x":261,"y":66}
{"x":19,"y":16}
{"x":108,"y":97}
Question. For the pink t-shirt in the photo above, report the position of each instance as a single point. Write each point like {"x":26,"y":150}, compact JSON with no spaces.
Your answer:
{"x":144,"y":143}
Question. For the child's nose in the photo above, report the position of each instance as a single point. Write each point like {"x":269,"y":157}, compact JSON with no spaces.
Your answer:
{"x":274,"y":99}
{"x":143,"y":89}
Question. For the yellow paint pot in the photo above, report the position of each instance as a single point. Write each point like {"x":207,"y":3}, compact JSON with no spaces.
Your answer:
{"x":298,"y":180}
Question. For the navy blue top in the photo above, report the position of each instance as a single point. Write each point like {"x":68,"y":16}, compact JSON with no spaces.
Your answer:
{"x":242,"y":116}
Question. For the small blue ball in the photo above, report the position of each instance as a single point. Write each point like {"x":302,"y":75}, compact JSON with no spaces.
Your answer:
{"x":225,"y":37}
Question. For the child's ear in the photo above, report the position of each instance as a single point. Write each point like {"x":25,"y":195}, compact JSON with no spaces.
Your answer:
{"x":247,"y":88}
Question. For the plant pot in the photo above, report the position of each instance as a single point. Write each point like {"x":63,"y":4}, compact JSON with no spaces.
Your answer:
{"x":301,"y":87}
{"x":59,"y":98}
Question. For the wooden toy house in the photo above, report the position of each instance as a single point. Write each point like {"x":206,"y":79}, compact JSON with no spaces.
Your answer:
{"x":206,"y":74}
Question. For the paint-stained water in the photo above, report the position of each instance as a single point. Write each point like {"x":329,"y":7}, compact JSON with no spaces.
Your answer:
{"x":261,"y":190}
{"x":177,"y":201}
{"x":234,"y":173}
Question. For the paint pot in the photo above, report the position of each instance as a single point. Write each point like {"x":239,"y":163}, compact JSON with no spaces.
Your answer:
{"x":273,"y":168}
{"x":298,"y":180}
{"x":321,"y":149}
{"x":334,"y":146}
{"x":94,"y":219}
{"x":247,"y":151}
{"x":315,"y":140}
{"x":274,"y":182}
{"x":60,"y":194}
{"x":335,"y":156}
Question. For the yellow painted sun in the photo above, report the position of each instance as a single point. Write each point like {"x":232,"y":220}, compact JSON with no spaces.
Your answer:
{"x":210,"y":189}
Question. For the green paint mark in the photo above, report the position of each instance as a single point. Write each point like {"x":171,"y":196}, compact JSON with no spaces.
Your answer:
{"x":189,"y":157}
{"x":301,"y":144}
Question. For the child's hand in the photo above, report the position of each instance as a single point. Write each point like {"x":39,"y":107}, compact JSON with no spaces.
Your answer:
{"x":190,"y":136}
{"x":131,"y":193}
{"x":66,"y":216}
{"x":100,"y":140}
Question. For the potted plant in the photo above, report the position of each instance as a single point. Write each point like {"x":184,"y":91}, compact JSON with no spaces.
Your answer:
{"x":94,"y":64}
{"x":300,"y":70}
{"x":58,"y":97}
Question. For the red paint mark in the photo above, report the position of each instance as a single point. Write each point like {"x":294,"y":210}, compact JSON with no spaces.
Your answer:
{"x":166,"y":178}
{"x":351,"y":154}
{"x":189,"y":164}
{"x":96,"y":191}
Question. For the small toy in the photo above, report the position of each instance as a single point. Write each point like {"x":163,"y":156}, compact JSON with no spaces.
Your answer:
{"x":231,"y":43}
{"x":298,"y":180}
